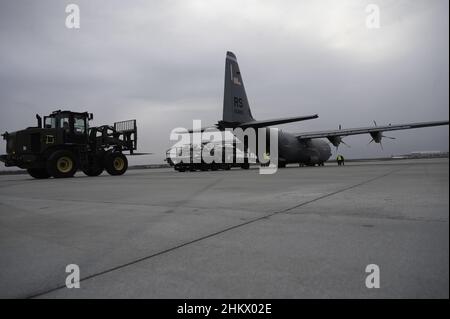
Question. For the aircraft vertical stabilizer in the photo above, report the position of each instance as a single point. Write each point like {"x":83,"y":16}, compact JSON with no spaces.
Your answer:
{"x":236,"y":109}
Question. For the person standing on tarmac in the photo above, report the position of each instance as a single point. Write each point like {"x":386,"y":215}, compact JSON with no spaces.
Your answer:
{"x":340,"y":160}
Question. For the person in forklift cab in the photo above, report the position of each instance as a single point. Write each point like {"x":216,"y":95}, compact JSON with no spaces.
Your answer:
{"x":66,"y":126}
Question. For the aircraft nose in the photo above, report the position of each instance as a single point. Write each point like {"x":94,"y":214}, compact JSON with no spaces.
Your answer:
{"x":326,"y":152}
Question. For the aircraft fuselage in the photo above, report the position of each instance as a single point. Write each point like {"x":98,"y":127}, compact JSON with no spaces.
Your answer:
{"x":308,"y":152}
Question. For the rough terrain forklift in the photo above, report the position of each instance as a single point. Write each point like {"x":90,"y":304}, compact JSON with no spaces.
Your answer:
{"x":64,"y":143}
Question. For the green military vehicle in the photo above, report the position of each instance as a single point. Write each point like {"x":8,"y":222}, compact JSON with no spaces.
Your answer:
{"x":64,"y":143}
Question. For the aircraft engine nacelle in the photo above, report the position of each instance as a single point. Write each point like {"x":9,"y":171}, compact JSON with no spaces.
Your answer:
{"x":335,"y":140}
{"x":376,"y":136}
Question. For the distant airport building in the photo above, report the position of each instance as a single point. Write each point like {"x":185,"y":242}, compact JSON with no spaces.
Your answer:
{"x":423,"y":154}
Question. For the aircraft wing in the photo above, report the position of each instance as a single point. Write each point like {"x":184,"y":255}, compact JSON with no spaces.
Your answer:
{"x":366,"y":130}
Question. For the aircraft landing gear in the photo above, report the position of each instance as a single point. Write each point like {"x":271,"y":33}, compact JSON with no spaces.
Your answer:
{"x":282,"y":164}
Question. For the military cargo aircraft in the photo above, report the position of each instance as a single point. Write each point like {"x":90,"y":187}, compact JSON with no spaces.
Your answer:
{"x":307,"y":148}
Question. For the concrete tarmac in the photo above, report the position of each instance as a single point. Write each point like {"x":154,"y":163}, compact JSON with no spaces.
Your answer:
{"x":302,"y":233}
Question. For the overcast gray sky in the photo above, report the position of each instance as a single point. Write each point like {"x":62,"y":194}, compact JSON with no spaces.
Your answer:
{"x":162,"y":62}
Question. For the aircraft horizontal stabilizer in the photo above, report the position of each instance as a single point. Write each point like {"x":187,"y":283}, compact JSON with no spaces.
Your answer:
{"x":254,"y":124}
{"x":198,"y":130}
{"x":265,"y":123}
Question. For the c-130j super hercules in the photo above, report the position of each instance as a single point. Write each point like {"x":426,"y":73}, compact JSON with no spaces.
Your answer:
{"x":307,"y":148}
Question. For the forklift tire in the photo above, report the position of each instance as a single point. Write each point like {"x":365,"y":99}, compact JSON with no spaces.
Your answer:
{"x":116,"y":164}
{"x":62,"y":164}
{"x":93,"y":171}
{"x":39,"y":173}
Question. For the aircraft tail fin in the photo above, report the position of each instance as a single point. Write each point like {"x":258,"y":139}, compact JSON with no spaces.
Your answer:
{"x":236,"y":108}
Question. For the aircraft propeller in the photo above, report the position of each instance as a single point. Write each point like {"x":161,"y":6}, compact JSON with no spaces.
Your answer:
{"x":337,"y":140}
{"x":378,"y":136}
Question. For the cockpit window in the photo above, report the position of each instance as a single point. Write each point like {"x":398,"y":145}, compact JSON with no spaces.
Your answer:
{"x":79,"y":125}
{"x":50,"y":122}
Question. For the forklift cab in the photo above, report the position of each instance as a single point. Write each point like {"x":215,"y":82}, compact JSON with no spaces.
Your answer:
{"x":75,"y":126}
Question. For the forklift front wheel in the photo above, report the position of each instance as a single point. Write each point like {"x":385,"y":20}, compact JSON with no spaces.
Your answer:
{"x":116,"y":164}
{"x":62,"y":164}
